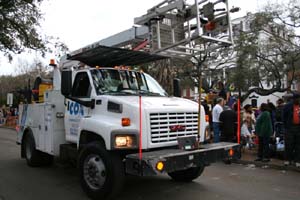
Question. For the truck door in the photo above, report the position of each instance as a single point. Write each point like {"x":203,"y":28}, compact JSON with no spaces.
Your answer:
{"x":74,"y":111}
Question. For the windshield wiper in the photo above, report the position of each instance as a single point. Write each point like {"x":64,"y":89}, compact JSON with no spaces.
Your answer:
{"x":129,"y":91}
{"x":148,"y":93}
{"x":118,"y":93}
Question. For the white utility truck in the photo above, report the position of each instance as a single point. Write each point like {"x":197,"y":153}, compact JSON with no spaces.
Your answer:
{"x":113,"y":122}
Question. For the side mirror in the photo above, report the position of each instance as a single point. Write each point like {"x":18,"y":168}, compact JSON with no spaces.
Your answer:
{"x":176,"y":87}
{"x":66,"y":83}
{"x":90,"y":104}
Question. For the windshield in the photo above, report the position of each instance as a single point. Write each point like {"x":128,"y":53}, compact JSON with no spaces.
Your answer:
{"x":114,"y":81}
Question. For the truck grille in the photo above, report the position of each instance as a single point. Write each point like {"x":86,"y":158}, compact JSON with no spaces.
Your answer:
{"x":166,"y":127}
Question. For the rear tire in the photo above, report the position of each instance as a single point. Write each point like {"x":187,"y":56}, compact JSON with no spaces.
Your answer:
{"x":227,"y":162}
{"x":34,"y":157}
{"x":187,"y":175}
{"x":101,"y":172}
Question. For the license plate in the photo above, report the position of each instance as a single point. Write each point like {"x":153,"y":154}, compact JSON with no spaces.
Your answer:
{"x":187,"y":143}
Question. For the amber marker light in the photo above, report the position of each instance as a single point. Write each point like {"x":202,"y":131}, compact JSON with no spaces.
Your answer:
{"x":125,"y":121}
{"x":207,"y":118}
{"x":231,"y":152}
{"x":160,"y":166}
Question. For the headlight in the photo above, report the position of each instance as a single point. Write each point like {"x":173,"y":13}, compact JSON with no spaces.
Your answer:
{"x":125,"y":141}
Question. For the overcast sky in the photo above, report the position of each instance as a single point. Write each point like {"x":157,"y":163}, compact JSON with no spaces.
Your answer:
{"x":79,"y":23}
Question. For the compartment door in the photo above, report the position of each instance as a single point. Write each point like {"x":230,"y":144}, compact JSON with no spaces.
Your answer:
{"x":39,"y":115}
{"x":48,"y":129}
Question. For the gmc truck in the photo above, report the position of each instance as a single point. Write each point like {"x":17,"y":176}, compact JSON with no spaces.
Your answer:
{"x":114,"y":121}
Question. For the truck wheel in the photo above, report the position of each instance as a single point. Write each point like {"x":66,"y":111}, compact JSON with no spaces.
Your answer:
{"x":101,"y":172}
{"x":47,"y":159}
{"x":34,"y":157}
{"x":227,"y":161}
{"x":187,"y":175}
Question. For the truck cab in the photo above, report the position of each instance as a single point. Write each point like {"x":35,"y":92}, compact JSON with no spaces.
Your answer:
{"x":115,"y":115}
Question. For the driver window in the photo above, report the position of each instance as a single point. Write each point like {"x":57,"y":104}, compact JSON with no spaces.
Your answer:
{"x":81,"y":87}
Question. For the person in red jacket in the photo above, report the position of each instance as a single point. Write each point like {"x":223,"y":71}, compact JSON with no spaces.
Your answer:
{"x":291,"y":121}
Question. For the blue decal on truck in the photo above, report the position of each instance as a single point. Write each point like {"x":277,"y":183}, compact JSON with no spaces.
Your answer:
{"x":75,"y":108}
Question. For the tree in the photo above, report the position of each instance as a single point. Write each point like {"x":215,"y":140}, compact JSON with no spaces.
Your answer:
{"x":268,"y":52}
{"x":19,"y":29}
{"x":19,"y":20}
{"x":272,"y":53}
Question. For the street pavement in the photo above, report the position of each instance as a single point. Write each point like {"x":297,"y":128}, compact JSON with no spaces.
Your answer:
{"x":276,"y":162}
{"x":219,"y":181}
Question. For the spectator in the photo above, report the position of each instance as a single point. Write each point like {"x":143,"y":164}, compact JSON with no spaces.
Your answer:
{"x":247,"y":136}
{"x":12,"y":111}
{"x":247,"y":129}
{"x":249,"y":118}
{"x":278,"y":126}
{"x":291,"y":121}
{"x":4,"y":111}
{"x":279,"y":109}
{"x":222,"y":92}
{"x":1,"y":117}
{"x":218,"y":108}
{"x":231,"y":100}
{"x":205,"y":106}
{"x":228,"y":125}
{"x":272,"y":110}
{"x":264,"y":130}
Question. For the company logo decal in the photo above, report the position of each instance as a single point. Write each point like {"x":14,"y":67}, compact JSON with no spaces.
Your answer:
{"x":177,"y":128}
{"x":75,"y":108}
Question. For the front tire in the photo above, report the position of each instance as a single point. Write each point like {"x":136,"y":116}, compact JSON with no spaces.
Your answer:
{"x":187,"y":175}
{"x":101,"y":172}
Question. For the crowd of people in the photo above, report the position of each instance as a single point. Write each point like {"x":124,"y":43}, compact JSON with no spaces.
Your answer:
{"x":262,"y":127}
{"x":7,"y":114}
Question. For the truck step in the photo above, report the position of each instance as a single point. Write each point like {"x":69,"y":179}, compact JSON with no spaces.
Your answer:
{"x":68,"y":154}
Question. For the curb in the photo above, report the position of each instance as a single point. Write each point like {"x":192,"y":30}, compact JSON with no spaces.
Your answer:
{"x":268,"y":165}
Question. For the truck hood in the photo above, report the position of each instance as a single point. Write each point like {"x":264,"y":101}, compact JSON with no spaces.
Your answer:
{"x":163,"y":103}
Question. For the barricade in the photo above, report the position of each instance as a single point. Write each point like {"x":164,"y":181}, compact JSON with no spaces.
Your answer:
{"x":11,"y":121}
